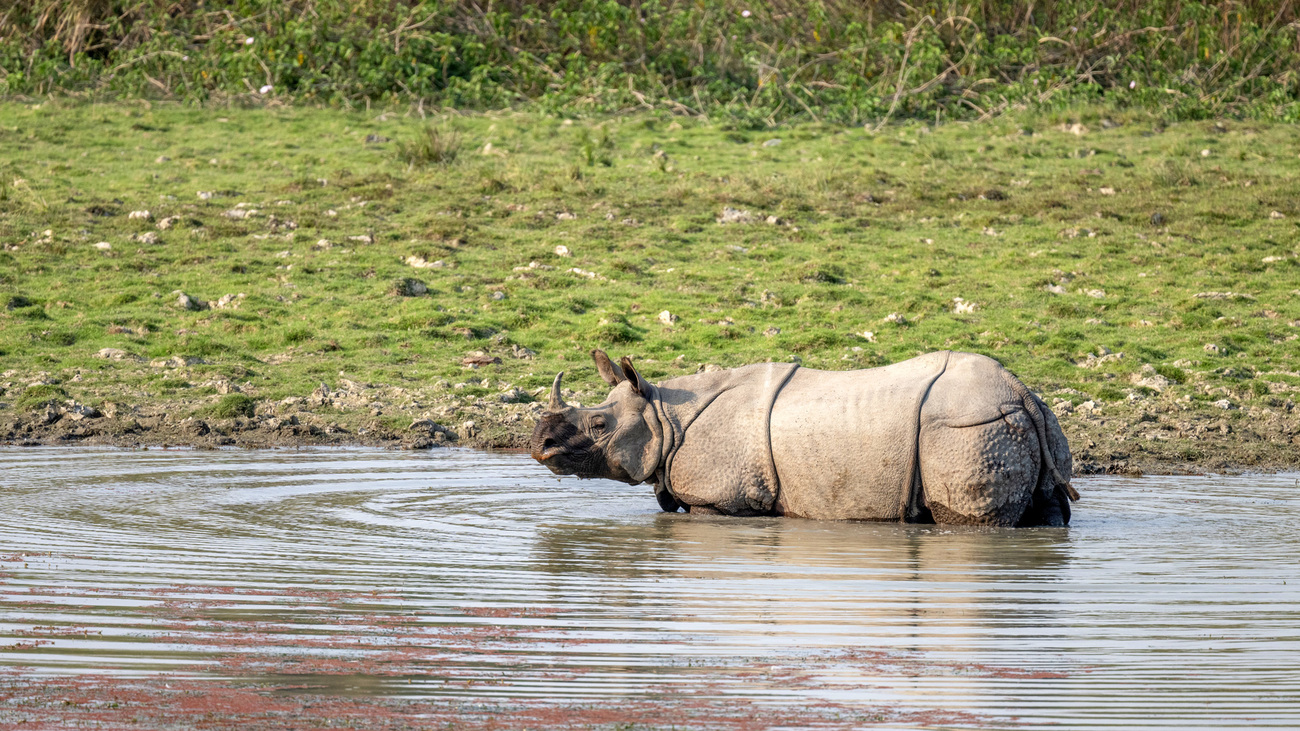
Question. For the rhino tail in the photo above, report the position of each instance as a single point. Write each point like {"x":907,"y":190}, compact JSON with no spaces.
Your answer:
{"x":1032,"y":406}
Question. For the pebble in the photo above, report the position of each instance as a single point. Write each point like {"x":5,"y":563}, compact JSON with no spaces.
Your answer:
{"x":667,"y":317}
{"x":772,"y":142}
{"x":104,"y":246}
{"x":735,"y":215}
{"x":139,"y":215}
{"x":193,"y":304}
{"x":563,"y":250}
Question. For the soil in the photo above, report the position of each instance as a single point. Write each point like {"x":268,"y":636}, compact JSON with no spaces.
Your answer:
{"x":1151,"y":436}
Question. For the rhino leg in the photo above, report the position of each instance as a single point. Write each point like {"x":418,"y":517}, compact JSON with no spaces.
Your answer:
{"x":982,"y":474}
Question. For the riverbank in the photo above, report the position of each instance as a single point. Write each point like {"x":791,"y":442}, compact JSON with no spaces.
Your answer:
{"x":290,"y":276}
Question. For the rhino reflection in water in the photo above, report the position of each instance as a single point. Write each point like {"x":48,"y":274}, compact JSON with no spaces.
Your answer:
{"x":945,"y":437}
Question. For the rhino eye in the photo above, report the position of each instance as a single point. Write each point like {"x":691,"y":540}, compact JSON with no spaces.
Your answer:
{"x":598,"y":424}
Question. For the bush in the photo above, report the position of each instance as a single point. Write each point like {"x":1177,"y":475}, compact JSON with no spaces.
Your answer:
{"x":233,"y":405}
{"x":748,"y":65}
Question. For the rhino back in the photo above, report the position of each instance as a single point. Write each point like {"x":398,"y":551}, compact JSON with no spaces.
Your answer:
{"x":845,"y":442}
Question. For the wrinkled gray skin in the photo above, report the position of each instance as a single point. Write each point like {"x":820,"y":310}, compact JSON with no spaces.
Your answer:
{"x":945,"y":437}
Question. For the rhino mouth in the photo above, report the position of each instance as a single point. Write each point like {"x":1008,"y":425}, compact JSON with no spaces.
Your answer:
{"x":564,"y":450}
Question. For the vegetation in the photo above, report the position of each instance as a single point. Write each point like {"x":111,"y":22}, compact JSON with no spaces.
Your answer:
{"x":750,"y":65}
{"x":234,"y":405}
{"x":307,"y":254}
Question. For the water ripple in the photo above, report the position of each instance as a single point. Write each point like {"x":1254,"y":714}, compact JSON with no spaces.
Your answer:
{"x":467,"y":577}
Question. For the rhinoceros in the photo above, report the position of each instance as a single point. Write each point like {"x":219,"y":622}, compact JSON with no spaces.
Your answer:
{"x":945,"y":437}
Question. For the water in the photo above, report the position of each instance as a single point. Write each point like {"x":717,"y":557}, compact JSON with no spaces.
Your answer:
{"x":475,"y":588}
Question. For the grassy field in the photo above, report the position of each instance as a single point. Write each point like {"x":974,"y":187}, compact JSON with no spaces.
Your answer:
{"x":375,"y":252}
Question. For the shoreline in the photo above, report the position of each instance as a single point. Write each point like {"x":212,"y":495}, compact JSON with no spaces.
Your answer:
{"x":1114,"y":439}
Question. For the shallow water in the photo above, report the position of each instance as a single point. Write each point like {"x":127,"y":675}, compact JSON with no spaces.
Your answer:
{"x":464,"y":580}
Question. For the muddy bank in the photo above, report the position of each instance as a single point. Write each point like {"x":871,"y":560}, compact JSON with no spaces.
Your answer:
{"x":1157,"y":436}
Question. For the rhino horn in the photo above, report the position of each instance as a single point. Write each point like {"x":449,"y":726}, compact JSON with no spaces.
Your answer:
{"x":557,"y":401}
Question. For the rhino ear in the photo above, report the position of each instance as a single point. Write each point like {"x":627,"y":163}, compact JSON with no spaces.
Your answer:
{"x":642,"y":385}
{"x":609,"y":370}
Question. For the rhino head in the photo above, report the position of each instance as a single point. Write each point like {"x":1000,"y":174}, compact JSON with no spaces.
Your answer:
{"x":618,"y":440}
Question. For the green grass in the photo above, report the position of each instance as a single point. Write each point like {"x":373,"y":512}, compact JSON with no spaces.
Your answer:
{"x":233,"y":405}
{"x":868,"y":225}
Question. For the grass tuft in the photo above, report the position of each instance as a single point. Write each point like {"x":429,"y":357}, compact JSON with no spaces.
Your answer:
{"x":37,"y":396}
{"x":431,"y":146}
{"x":234,"y":405}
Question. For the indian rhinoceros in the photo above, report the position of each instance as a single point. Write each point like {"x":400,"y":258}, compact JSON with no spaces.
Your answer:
{"x":945,"y":437}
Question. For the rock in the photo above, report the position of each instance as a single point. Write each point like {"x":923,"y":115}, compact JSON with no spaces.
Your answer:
{"x":417,"y":262}
{"x":1096,"y":293}
{"x":498,"y":296}
{"x":962,"y":307}
{"x":1205,"y":153}
{"x":321,"y":396}
{"x":1223,"y":296}
{"x":205,"y":195}
{"x":1212,"y":348}
{"x":139,"y":215}
{"x":1276,"y":215}
{"x":522,"y":353}
{"x":993,"y":194}
{"x":104,"y":246}
{"x":772,"y":331}
{"x":470,"y":428}
{"x":478,"y":359}
{"x":1157,"y":219}
{"x":168,"y":222}
{"x":1096,"y":361}
{"x":148,"y":237}
{"x":1055,"y":289}
{"x":1148,"y":378}
{"x":114,"y":354}
{"x":230,"y":301}
{"x":410,"y":288}
{"x":735,"y":215}
{"x":363,"y":238}
{"x":1106,"y":190}
{"x":1076,"y":129}
{"x":772,"y":142}
{"x":240,"y":213}
{"x":48,"y":415}
{"x":868,"y":336}
{"x":1224,"y":404}
{"x":77,"y":412}
{"x":162,"y":159}
{"x":426,"y":426}
{"x":563,"y":250}
{"x":193,"y":304}
{"x":667,"y":317}
{"x":565,"y":216}
{"x":376,"y":139}
{"x":895,"y":318}
{"x":515,"y":396}
{"x":176,"y":361}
